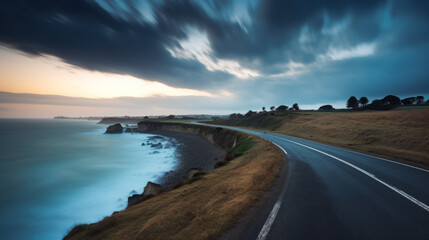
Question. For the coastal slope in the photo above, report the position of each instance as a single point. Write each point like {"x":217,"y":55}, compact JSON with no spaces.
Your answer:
{"x":202,"y":209}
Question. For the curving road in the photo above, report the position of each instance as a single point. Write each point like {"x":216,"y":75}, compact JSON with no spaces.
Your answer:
{"x":333,"y":193}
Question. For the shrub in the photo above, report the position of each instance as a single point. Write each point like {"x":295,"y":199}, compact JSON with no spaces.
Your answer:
{"x":326,"y":108}
{"x":282,"y":108}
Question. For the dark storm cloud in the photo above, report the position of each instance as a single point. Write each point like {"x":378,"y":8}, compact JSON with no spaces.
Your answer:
{"x":283,"y":31}
{"x":84,"y":34}
{"x":277,"y":27}
{"x":113,"y":38}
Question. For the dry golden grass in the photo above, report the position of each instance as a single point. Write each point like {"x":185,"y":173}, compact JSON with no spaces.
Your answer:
{"x":203,"y":209}
{"x":401,"y":135}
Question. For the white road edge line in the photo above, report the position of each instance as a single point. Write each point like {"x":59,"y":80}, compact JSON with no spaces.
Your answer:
{"x":368,"y":155}
{"x":274,"y":135}
{"x":400,"y":192}
{"x":270,"y":220}
{"x":387,"y":160}
{"x":278,"y":146}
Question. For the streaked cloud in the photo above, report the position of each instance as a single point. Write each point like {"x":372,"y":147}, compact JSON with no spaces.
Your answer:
{"x":361,"y":50}
{"x":197,"y":47}
{"x":293,"y":69}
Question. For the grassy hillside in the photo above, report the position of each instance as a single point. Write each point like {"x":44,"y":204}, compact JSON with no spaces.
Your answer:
{"x":203,"y":209}
{"x":401,"y":134}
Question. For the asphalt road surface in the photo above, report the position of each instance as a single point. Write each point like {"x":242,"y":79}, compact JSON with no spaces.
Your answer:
{"x":333,"y":193}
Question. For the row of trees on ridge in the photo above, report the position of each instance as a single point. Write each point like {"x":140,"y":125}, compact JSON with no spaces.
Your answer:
{"x":281,"y":108}
{"x":388,"y":102}
{"x":295,"y":106}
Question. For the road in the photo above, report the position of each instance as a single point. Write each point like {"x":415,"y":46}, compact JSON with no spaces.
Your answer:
{"x":333,"y":193}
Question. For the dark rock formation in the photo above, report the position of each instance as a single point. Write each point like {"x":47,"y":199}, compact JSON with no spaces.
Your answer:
{"x":151,"y":189}
{"x":134,"y":199}
{"x":115,"y":128}
{"x":193,"y":173}
{"x":220,"y":163}
{"x":156,"y":145}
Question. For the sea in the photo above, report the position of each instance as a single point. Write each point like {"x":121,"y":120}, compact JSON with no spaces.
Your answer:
{"x":55,"y":174}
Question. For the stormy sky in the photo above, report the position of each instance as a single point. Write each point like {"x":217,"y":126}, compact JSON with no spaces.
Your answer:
{"x":207,"y":56}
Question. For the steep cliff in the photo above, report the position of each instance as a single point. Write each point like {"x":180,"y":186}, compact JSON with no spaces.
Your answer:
{"x":224,"y":138}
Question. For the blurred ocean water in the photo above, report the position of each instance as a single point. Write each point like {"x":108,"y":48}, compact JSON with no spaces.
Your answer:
{"x":58,"y":173}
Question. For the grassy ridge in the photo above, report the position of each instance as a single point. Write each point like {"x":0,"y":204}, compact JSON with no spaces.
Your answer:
{"x":203,"y":209}
{"x":399,"y":134}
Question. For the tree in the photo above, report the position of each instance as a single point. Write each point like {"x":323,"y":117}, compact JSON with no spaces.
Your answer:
{"x":352,"y":103}
{"x":408,"y":101}
{"x":392,"y":100}
{"x":420,"y":99}
{"x":146,"y":117}
{"x":326,"y":108}
{"x":272,"y":108}
{"x":363,"y":101}
{"x":170,"y":116}
{"x":295,"y":106}
{"x":282,"y":108}
{"x":250,"y":113}
{"x":377,"y":103}
{"x":263,"y":109}
{"x":383,"y":104}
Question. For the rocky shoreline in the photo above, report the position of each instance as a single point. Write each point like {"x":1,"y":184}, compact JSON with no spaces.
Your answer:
{"x":194,"y":152}
{"x":195,"y":155}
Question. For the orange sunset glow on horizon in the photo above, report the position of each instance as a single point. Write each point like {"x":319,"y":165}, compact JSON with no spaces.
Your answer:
{"x":21,"y":73}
